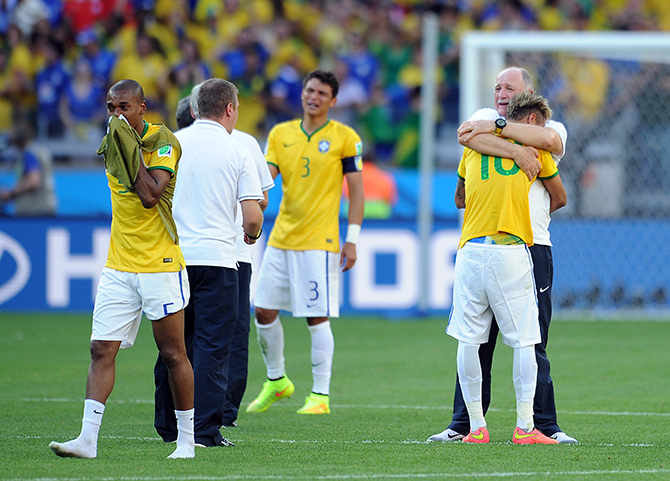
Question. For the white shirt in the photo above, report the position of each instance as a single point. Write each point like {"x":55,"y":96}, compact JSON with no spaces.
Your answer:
{"x":266,"y":181}
{"x":213,"y":177}
{"x":538,"y":197}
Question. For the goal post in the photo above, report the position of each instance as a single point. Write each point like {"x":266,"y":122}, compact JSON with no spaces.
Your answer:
{"x":483,"y":55}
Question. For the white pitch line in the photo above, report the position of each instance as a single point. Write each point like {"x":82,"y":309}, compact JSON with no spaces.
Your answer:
{"x":382,"y":406}
{"x":365,"y":476}
{"x":347,"y":442}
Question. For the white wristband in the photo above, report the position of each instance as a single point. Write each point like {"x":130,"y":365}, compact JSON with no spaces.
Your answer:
{"x":353,"y":233}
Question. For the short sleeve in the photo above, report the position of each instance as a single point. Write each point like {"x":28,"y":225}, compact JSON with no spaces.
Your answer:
{"x":549,"y":168}
{"x":352,"y":153}
{"x":164,"y":158}
{"x":249,"y":184}
{"x":562,"y":133}
{"x":484,"y":114}
{"x":30,"y":163}
{"x":461,"y":165}
{"x":270,"y":149}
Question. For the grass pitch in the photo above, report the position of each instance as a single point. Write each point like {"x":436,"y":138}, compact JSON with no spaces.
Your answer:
{"x":392,"y":388}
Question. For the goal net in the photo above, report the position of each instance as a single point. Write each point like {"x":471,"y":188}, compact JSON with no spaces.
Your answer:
{"x":612,"y":92}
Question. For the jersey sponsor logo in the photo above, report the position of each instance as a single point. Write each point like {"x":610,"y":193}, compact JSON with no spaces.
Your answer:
{"x":165,"y":151}
{"x":324,"y":146}
{"x":17,"y":281}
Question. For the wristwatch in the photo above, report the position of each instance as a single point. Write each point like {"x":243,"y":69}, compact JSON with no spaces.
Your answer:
{"x":500,"y":125}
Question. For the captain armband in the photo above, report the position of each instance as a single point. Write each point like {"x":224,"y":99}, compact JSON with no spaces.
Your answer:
{"x":352,"y":164}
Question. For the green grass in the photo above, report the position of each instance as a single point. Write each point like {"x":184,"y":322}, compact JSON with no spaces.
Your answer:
{"x":392,"y":388}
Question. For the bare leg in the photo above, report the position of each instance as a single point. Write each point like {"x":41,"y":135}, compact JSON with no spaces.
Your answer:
{"x":169,"y":336}
{"x":102,"y":371}
{"x":265,"y":316}
{"x":99,"y":385}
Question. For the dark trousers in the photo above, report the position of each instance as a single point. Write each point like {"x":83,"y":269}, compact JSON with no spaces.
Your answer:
{"x":238,"y":362}
{"x":544,"y":407}
{"x":210,"y":320}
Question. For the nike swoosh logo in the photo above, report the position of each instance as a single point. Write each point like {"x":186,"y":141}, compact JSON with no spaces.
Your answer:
{"x":309,"y":306}
{"x":279,"y":393}
{"x":524,"y":436}
{"x":288,"y":145}
{"x":479,"y":436}
{"x":97,"y":412}
{"x":542,"y":289}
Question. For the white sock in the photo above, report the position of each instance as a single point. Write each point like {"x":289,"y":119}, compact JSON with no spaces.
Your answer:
{"x":86,"y":445}
{"x":323,"y":347}
{"x":476,"y":415}
{"x":185,"y":435}
{"x":90,"y":425}
{"x":271,"y":342}
{"x":525,"y":379}
{"x":470,"y":380}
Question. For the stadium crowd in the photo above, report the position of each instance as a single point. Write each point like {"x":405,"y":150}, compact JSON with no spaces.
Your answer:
{"x":59,"y":57}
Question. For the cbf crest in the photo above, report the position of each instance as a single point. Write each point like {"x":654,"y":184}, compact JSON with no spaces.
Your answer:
{"x":324,"y":146}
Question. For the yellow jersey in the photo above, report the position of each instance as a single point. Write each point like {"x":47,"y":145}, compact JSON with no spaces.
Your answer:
{"x":312,"y":169}
{"x":140,"y":242}
{"x":496,"y":195}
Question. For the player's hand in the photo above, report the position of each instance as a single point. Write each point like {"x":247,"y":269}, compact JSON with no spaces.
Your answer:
{"x":469,"y":129}
{"x":527,"y":160}
{"x":348,"y":256}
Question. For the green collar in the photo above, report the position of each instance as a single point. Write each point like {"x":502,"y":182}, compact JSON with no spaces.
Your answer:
{"x":310,"y":136}
{"x":146,"y":127}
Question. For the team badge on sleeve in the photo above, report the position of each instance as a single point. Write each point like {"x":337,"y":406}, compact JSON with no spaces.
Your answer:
{"x":358,"y":162}
{"x":165,"y":151}
{"x":359,"y":157}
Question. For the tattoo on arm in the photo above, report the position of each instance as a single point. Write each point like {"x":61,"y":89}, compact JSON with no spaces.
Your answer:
{"x":459,"y":197}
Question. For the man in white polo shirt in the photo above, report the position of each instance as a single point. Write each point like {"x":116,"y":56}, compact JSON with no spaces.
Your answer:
{"x":216,"y":175}
{"x":238,"y":363}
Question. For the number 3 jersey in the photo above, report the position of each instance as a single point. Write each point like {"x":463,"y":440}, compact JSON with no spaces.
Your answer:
{"x":496,"y":195}
{"x":312,"y":169}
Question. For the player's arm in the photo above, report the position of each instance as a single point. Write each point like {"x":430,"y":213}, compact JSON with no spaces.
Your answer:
{"x":274,"y":171}
{"x":356,"y":209}
{"x":150,"y":185}
{"x":459,"y":196}
{"x":252,"y":220}
{"x":264,"y":203}
{"x":557,"y":194}
{"x":28,"y":183}
{"x":489,"y":144}
{"x":541,"y":138}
